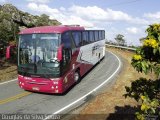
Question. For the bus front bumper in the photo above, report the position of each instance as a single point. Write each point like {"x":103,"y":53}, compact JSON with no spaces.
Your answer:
{"x":41,"y":84}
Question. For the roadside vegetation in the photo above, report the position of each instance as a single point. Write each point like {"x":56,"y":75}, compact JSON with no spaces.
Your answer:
{"x":120,"y":40}
{"x":147,"y":91}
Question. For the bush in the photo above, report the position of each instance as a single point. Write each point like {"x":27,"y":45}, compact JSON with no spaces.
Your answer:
{"x":147,"y":59}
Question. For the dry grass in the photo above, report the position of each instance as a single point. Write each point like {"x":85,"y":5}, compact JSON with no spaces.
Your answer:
{"x":8,"y":72}
{"x":111,"y":104}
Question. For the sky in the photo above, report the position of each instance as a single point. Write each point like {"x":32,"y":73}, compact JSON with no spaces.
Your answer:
{"x":127,"y":17}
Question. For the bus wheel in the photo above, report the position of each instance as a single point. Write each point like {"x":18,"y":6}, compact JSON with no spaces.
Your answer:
{"x":77,"y":76}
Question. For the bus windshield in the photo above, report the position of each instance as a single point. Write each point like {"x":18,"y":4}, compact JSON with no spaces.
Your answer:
{"x":38,"y":54}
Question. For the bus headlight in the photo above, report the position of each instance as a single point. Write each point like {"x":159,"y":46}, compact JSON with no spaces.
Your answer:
{"x":52,"y":87}
{"x":52,"y":79}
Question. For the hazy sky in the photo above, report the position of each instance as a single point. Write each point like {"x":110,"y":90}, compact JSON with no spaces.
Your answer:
{"x":127,"y":17}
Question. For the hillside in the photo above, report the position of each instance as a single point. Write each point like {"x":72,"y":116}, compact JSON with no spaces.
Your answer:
{"x":12,"y":20}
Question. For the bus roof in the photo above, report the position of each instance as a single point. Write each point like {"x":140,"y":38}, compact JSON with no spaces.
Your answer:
{"x":51,"y":29}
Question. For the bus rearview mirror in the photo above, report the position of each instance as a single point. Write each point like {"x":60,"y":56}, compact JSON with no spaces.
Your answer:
{"x":59,"y":53}
{"x":8,"y":51}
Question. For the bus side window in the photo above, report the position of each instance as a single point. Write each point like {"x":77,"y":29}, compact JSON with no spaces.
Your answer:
{"x":103,"y":34}
{"x":91,"y":36}
{"x":100,"y":35}
{"x":66,"y":41}
{"x":77,"y":38}
{"x":85,"y":37}
{"x":96,"y":36}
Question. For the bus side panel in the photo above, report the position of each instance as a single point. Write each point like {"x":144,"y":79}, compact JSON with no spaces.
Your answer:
{"x":83,"y":58}
{"x":91,"y":53}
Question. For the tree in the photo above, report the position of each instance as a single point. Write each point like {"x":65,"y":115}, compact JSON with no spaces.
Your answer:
{"x":43,"y":20}
{"x":5,"y":26}
{"x":120,"y":39}
{"x":147,"y":59}
{"x":8,"y":29}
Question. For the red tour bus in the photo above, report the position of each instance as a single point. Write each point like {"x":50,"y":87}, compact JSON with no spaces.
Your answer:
{"x":53,"y":58}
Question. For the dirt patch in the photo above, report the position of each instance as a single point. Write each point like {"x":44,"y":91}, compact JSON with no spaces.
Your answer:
{"x":8,"y":72}
{"x":111,"y":104}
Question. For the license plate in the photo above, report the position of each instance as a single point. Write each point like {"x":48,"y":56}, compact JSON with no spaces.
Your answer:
{"x":35,"y":88}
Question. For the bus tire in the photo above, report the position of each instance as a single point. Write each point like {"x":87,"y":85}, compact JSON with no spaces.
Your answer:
{"x":77,"y":76}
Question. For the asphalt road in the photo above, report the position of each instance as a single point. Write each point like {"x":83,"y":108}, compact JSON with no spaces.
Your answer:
{"x":14,"y":100}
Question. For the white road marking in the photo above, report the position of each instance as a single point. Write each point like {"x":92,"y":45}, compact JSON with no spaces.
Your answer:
{"x":8,"y":81}
{"x":81,"y":98}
